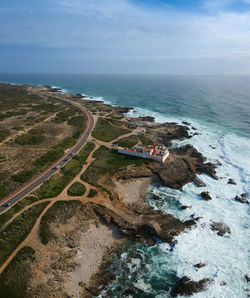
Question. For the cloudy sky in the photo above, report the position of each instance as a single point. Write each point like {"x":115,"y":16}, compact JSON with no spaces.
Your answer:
{"x":125,"y":36}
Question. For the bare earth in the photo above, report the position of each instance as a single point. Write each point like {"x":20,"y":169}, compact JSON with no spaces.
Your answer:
{"x":134,"y":190}
{"x":93,"y":245}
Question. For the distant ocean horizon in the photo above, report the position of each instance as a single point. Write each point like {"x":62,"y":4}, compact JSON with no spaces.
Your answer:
{"x":222,"y":100}
{"x":219,"y":108}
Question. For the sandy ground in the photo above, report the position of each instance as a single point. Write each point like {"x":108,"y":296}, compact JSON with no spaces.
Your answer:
{"x":93,"y":245}
{"x":133,"y":190}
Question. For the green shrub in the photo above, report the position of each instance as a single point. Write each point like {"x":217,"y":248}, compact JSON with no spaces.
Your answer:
{"x":76,"y":189}
{"x":36,"y":131}
{"x":48,"y":158}
{"x":79,"y":121}
{"x":4,"y":133}
{"x":30,"y":139}
{"x":92,"y":193}
{"x":23,"y":176}
{"x":15,"y":279}
{"x":2,"y":191}
{"x":128,"y":142}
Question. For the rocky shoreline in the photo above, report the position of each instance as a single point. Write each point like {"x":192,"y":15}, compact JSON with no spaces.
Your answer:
{"x":142,"y":223}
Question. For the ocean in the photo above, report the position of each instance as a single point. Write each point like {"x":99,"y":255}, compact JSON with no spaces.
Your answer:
{"x":219,"y":107}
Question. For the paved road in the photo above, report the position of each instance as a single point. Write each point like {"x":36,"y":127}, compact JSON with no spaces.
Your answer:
{"x":31,"y":186}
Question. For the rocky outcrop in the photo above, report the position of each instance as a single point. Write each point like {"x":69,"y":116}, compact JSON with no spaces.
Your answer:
{"x":220,"y":227}
{"x":167,"y":132}
{"x":247,"y":277}
{"x":231,"y":181}
{"x":147,"y":119}
{"x":187,"y":287}
{"x":206,"y":196}
{"x":146,"y":225}
{"x":200,"y":265}
{"x":182,"y":167}
{"x":186,"y":123}
{"x":243,"y":198}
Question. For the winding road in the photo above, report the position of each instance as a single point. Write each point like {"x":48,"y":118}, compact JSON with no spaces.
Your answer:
{"x":31,"y":186}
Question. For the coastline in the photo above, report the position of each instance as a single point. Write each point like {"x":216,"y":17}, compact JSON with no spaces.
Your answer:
{"x":131,"y":187}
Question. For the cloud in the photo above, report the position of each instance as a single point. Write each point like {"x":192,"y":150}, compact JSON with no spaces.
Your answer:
{"x":119,"y":35}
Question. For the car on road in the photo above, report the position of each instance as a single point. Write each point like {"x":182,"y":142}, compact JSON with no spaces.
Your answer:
{"x":56,"y":167}
{"x":8,"y":204}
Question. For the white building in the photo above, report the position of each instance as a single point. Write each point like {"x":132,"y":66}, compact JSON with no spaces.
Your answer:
{"x":156,"y":153}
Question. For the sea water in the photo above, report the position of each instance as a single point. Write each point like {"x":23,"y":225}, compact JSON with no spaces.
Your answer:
{"x":219,"y":108}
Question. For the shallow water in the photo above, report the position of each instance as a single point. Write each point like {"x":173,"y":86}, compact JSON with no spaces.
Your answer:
{"x":219,"y":107}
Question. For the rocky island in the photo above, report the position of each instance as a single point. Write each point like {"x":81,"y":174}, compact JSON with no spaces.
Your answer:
{"x":71,"y":224}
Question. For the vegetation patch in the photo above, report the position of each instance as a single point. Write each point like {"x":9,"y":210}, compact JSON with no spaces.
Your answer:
{"x":108,"y":162}
{"x":48,"y":158}
{"x":4,"y":133}
{"x":18,"y":230}
{"x":145,"y":141}
{"x":92,"y":193}
{"x":78,"y":121}
{"x":115,"y":122}
{"x":60,"y":212}
{"x":64,"y":115}
{"x":2,"y":191}
{"x":15,"y":279}
{"x":128,"y":142}
{"x":106,"y":132}
{"x":23,"y":176}
{"x":76,"y":189}
{"x":4,"y":217}
{"x":30,"y":139}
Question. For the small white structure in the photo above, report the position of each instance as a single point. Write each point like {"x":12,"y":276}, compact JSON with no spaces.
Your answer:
{"x":156,"y":153}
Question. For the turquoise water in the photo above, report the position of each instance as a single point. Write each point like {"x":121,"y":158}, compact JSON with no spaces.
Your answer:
{"x":219,"y":107}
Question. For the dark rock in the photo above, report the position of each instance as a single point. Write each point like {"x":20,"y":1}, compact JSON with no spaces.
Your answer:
{"x":186,"y":123}
{"x":206,"y":196}
{"x":242,"y":198}
{"x":129,"y":291}
{"x":155,"y":197}
{"x":199,"y":265}
{"x":147,"y":118}
{"x":198,"y":218}
{"x":151,"y":242}
{"x":187,"y":287}
{"x":183,"y":207}
{"x":182,"y":167}
{"x":223,"y":283}
{"x":212,"y":147}
{"x":220,"y":228}
{"x":247,"y":277}
{"x":231,"y":181}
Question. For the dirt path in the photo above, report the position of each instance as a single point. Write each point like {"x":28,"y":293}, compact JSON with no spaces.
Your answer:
{"x":102,"y":198}
{"x":109,"y":144}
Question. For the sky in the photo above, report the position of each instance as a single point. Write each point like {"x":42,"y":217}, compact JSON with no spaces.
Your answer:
{"x":200,"y":37}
